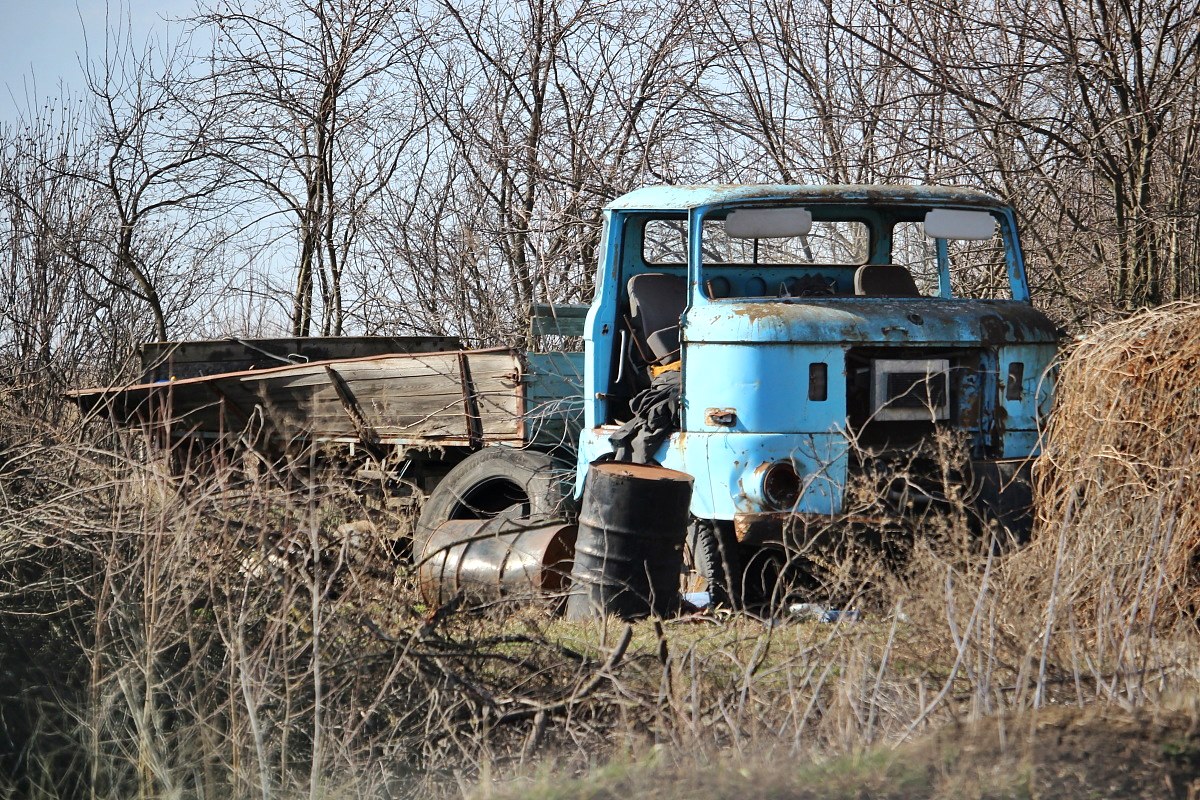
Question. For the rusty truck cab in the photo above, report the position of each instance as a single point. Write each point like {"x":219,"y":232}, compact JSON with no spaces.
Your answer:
{"x":815,"y":329}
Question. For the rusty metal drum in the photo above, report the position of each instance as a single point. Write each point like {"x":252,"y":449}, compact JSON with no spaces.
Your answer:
{"x":629,"y":551}
{"x":490,"y":559}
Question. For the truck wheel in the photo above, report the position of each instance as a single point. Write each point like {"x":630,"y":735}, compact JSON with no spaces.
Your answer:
{"x":762,"y":572}
{"x":494,"y":481}
{"x":714,"y":555}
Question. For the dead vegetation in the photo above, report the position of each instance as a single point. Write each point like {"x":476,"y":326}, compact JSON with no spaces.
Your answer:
{"x":220,"y":636}
{"x":1116,"y":558}
{"x":1059,"y":752}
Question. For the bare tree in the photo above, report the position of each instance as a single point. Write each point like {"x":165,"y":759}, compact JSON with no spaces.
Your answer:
{"x":58,"y":321}
{"x":314,"y":124}
{"x":539,"y":113}
{"x":1103,"y":88}
{"x":158,"y":169}
{"x":803,"y":101}
{"x":107,"y":205}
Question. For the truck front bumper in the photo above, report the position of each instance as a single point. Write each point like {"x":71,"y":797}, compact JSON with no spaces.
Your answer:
{"x":1000,"y":491}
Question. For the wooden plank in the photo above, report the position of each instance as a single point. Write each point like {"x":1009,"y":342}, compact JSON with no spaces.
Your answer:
{"x":470,"y":403}
{"x":402,"y":398}
{"x":442,"y":371}
{"x":178,"y":360}
{"x":283,"y":370}
{"x":366,"y":433}
{"x":391,"y":409}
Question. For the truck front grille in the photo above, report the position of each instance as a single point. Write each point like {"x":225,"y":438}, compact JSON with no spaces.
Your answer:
{"x":910,"y":389}
{"x":897,"y":397}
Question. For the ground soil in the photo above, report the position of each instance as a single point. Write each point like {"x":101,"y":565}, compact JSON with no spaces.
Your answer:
{"x":1059,"y":752}
{"x":1068,"y":753}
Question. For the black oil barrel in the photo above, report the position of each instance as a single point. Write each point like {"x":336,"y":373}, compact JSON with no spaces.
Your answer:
{"x":494,"y":558}
{"x":629,"y":551}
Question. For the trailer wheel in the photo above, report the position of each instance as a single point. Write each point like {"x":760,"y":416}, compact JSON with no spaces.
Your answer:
{"x":491,"y":482}
{"x":715,"y":556}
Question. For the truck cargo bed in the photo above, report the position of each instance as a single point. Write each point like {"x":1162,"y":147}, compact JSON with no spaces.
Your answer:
{"x":458,"y":397}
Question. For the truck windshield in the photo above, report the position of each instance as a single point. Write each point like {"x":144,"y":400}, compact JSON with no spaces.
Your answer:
{"x":829,"y":242}
{"x":829,"y":258}
{"x":978,"y":269}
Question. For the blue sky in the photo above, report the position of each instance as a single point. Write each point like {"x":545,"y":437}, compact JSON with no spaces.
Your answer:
{"x":42,"y":42}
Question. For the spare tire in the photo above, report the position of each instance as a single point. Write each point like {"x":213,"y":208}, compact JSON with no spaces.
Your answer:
{"x":494,"y":481}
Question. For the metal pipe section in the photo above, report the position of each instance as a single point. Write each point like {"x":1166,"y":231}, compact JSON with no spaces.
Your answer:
{"x":492,"y":559}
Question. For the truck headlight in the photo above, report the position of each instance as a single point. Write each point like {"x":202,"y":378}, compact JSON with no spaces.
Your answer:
{"x":781,"y":485}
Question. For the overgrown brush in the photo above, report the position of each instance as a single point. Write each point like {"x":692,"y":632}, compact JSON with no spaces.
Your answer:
{"x":213,"y":636}
{"x":224,"y":634}
{"x":209,"y":636}
{"x":1114,"y":564}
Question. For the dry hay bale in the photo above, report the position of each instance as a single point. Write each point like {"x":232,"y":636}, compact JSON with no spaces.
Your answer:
{"x":1116,"y":487}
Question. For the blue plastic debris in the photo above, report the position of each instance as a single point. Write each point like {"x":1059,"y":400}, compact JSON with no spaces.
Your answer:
{"x":811,"y":612}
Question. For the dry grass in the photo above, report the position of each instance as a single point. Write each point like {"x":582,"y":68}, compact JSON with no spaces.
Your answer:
{"x":1112,"y":576}
{"x":1055,"y":752}
{"x":213,"y":636}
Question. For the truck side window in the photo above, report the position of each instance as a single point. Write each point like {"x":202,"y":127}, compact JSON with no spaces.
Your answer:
{"x":664,"y":241}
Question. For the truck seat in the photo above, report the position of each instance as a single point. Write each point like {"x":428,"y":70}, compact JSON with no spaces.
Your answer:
{"x":885,"y":280}
{"x":656,"y":302}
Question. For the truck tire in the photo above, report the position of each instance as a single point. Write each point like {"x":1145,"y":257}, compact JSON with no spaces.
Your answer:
{"x":716,"y":557}
{"x":494,"y":481}
{"x":762,"y":574}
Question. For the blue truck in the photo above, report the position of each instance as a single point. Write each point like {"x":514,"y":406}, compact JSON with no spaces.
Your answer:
{"x":775,"y":342}
{"x":818,"y":331}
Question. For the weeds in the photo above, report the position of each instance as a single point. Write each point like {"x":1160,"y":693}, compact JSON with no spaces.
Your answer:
{"x":218,"y":633}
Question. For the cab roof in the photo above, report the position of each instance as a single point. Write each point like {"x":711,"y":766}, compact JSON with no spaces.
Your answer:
{"x":683,"y":198}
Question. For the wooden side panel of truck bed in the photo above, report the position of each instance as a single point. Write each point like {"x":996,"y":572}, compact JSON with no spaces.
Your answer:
{"x":467,"y":397}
